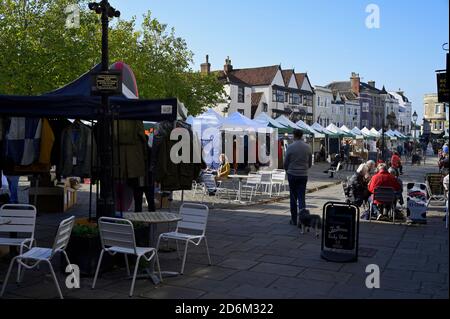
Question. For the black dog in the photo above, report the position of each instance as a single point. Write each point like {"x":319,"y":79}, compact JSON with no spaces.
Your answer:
{"x":308,"y":221}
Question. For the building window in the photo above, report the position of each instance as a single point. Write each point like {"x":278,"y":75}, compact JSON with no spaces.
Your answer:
{"x":296,"y":100}
{"x":242,"y":111}
{"x":241,"y":94}
{"x":280,"y":97}
{"x":365,"y":107}
{"x":365,"y":123}
{"x":318,"y":101}
{"x":286,"y":97}
{"x":264,"y":107}
{"x":277,"y":96}
{"x":437,"y":109}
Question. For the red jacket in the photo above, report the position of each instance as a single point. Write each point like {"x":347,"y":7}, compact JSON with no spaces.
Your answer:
{"x":396,"y":161}
{"x":384,"y":179}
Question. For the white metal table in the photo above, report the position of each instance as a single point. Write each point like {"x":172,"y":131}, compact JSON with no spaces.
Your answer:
{"x":153,"y":219}
{"x":240,"y":178}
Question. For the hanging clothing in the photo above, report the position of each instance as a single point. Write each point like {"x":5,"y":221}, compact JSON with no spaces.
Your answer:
{"x":132,"y":150}
{"x":58,"y":126}
{"x":23,"y":139}
{"x":173,"y":176}
{"x":47,"y":142}
{"x":76,"y":151}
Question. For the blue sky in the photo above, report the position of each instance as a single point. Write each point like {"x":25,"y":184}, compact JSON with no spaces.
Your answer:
{"x":326,"y":38}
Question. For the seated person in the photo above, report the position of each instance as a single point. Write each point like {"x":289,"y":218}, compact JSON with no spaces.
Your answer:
{"x":224,"y":168}
{"x":396,"y":163}
{"x":370,"y":170}
{"x":357,"y":192}
{"x":383,"y":179}
{"x":334,"y":165}
{"x":399,"y":194}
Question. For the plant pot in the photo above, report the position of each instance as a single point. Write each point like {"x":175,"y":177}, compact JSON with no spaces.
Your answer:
{"x":85,"y":252}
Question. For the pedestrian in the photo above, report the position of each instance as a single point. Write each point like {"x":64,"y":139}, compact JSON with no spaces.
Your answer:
{"x":297,"y":162}
{"x":396,"y":163}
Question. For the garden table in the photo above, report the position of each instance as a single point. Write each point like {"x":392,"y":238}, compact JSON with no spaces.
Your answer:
{"x":153,"y":219}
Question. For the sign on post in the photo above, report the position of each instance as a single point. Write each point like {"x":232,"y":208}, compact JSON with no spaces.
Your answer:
{"x":340,"y":232}
{"x":107,"y":83}
{"x":443,"y":92}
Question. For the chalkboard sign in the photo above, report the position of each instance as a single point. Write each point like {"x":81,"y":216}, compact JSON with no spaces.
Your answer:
{"x":340,"y":232}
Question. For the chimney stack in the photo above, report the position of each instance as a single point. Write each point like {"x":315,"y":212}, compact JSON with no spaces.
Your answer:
{"x":371,"y":83}
{"x":355,"y":83}
{"x":228,"y":67}
{"x":205,"y":68}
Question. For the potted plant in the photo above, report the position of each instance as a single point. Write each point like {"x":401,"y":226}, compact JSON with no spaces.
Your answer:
{"x":84,"y":248}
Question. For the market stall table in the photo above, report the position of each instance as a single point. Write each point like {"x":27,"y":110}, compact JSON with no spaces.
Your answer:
{"x":153,"y":219}
{"x":240,"y":178}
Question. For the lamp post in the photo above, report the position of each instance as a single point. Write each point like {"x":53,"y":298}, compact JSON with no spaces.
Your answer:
{"x":105,"y":203}
{"x":383,"y":142}
{"x":415,"y":117}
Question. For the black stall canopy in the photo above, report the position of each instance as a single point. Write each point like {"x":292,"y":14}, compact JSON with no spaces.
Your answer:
{"x":74,"y":101}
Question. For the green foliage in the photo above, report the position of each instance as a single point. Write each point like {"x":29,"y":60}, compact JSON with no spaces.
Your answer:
{"x":40,"y":54}
{"x":85,"y":231}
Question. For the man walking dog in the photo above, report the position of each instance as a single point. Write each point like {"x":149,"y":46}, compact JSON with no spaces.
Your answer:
{"x":297,"y":163}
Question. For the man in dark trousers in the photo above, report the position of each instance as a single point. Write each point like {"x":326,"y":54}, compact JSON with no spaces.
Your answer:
{"x":297,"y":162}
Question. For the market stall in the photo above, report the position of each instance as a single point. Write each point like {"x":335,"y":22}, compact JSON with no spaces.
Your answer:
{"x":70,"y":146}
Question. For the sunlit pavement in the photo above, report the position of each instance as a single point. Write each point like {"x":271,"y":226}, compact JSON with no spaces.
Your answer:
{"x":257,"y":254}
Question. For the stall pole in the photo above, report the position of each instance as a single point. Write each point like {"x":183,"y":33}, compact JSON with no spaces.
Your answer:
{"x":92,"y":170}
{"x":105,"y":204}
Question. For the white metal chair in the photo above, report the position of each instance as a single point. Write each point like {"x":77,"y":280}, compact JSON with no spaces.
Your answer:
{"x":117,"y":237}
{"x":278,"y":180}
{"x":22,"y":221}
{"x":432,"y":196}
{"x":36,"y":255}
{"x":191,"y":229}
{"x":209,"y":185}
{"x":266,"y":181}
{"x":252,"y":184}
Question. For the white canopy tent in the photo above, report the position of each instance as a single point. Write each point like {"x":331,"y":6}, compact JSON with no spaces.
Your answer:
{"x":267,"y":121}
{"x":238,"y":122}
{"x":283,"y":120}
{"x":206,"y":126}
{"x":315,"y":133}
{"x":336,"y":130}
{"x":400,"y":135}
{"x":357,"y":132}
{"x":375,"y":133}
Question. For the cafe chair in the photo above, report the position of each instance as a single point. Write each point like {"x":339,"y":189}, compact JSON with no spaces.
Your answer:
{"x":21,"y":220}
{"x":36,"y":255}
{"x":190,"y":230}
{"x":117,"y":237}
